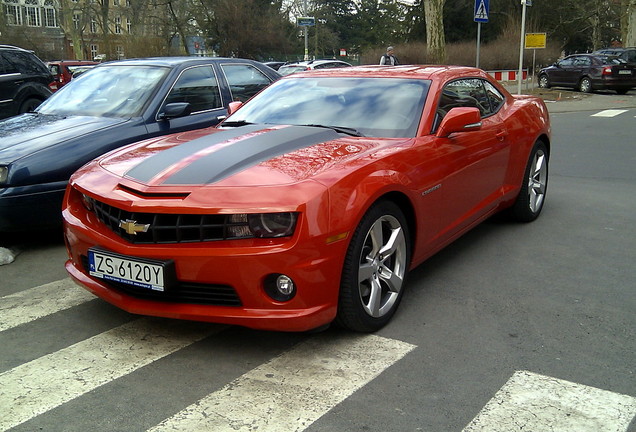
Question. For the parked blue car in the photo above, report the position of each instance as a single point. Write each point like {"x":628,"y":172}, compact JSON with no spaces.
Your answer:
{"x":111,"y":105}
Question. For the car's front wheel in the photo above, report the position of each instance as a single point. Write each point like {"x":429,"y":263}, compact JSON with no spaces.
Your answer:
{"x":375,"y":269}
{"x":544,"y":82}
{"x":531,"y":198}
{"x":585,"y":85}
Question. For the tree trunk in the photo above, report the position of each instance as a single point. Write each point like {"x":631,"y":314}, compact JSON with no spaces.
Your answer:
{"x":435,"y":40}
{"x":630,"y":33}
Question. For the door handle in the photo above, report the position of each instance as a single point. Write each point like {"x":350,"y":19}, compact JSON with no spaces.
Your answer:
{"x":502,"y":134}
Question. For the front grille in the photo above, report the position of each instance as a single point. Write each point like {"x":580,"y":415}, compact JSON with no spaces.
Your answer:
{"x":182,"y":292}
{"x":173,"y":228}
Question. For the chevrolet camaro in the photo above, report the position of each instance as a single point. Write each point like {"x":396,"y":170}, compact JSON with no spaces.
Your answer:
{"x":311,"y":202}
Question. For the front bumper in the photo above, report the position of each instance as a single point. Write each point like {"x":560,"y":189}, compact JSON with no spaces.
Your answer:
{"x":29,"y":207}
{"x":314,"y":267}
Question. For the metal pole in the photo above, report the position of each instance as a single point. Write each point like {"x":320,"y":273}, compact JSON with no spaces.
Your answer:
{"x":521,"y":44}
{"x":478,"y":39}
{"x":306,"y":33}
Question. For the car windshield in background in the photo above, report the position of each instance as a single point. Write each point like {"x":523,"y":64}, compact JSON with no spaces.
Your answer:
{"x":110,"y":91}
{"x":377,"y":107}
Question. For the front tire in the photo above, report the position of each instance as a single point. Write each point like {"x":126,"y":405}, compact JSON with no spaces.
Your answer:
{"x":585,"y":85}
{"x":531,"y":198}
{"x":29,"y":105}
{"x":375,"y":269}
{"x":544,"y":82}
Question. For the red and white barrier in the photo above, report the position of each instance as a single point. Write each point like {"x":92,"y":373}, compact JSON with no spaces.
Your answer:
{"x":507,"y":75}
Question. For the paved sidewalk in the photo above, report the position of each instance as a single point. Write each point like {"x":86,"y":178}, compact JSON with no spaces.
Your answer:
{"x":564,"y":100}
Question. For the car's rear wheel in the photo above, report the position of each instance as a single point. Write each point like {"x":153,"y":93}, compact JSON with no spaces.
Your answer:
{"x":585,"y":85}
{"x":29,"y":105}
{"x":544,"y":82}
{"x":621,"y":91}
{"x":531,"y":198}
{"x":375,"y":269}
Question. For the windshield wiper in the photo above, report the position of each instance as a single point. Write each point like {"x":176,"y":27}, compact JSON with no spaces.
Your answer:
{"x":236,"y":123}
{"x":340,"y":129}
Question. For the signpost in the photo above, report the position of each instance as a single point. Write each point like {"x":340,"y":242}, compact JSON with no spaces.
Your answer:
{"x":535,"y":41}
{"x":480,"y":16}
{"x":306,"y":22}
{"x":524,"y":4}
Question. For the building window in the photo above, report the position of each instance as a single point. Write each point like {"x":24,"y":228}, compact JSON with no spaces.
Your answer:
{"x":32,"y":12}
{"x":50,"y":14}
{"x":94,"y":50}
{"x":117,"y":25}
{"x":128,"y":26}
{"x":93,"y":25}
{"x":120,"y":51}
{"x":76,"y":21}
{"x":13,"y":12}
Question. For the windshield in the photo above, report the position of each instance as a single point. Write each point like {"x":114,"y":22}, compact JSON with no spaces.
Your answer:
{"x":107,"y":91}
{"x":378,"y":107}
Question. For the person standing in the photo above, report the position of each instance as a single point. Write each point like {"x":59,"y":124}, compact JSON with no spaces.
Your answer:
{"x":389,"y":59}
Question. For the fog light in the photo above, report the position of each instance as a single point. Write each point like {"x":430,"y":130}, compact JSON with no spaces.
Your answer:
{"x":280,"y":287}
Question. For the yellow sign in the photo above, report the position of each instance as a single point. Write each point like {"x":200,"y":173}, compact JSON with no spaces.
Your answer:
{"x":535,"y":40}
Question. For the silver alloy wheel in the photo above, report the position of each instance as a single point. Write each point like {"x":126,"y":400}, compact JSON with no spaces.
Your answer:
{"x":537,"y":181}
{"x":585,"y":85}
{"x":382,"y":266}
{"x":543,"y":81}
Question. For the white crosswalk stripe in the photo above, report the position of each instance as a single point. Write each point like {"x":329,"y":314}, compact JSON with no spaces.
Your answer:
{"x":34,"y":303}
{"x":293,"y":390}
{"x":45,"y":383}
{"x":609,"y":113}
{"x":533,"y":402}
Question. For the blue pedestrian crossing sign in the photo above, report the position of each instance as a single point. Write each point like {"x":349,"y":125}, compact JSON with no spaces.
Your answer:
{"x":481,"y":11}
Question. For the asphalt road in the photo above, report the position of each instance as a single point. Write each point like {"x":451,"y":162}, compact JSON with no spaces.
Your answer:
{"x":511,"y":320}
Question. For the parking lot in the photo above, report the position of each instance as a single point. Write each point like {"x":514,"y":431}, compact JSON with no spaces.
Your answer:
{"x":512,"y":324}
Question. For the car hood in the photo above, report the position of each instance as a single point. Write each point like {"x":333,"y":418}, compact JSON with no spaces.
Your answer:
{"x":29,"y":133}
{"x":254,"y":155}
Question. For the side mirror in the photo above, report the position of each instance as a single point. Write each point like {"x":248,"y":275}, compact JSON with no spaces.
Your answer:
{"x":174,"y":110}
{"x":459,"y":119}
{"x":233,"y":107}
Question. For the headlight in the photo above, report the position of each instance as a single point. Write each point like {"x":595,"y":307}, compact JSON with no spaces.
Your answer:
{"x":272,"y":224}
{"x":263,"y":225}
{"x":4,"y":174}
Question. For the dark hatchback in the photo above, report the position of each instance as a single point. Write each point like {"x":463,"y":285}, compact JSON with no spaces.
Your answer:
{"x":111,"y":105}
{"x":589,"y":72}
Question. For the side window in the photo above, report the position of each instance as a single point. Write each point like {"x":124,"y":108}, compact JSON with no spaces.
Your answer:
{"x":198,"y":87}
{"x":244,"y":80}
{"x":494,"y":96}
{"x":566,"y":62}
{"x":469,"y":92}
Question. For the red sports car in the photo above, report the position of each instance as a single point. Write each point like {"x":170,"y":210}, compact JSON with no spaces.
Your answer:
{"x":311,"y":202}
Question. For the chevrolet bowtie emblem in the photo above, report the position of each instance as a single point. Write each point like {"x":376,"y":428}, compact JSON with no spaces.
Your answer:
{"x":132,"y":227}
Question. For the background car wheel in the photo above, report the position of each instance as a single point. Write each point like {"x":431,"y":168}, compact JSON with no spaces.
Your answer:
{"x":621,"y":91}
{"x":585,"y":85}
{"x":544,"y":82}
{"x":529,"y":202}
{"x":375,"y":269}
{"x":29,"y":105}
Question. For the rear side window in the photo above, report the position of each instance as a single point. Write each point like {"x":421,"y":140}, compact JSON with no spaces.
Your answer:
{"x":244,"y":80}
{"x":197,"y":86}
{"x":24,"y":63}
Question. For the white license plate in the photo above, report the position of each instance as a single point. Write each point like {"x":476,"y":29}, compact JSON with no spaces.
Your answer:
{"x":624,"y":72}
{"x":138,"y":272}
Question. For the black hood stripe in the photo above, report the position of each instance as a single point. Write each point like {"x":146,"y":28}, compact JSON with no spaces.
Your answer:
{"x":241,"y":154}
{"x":153,"y":165}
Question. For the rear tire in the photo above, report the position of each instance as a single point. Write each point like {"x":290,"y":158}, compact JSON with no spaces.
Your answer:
{"x":585,"y":85}
{"x":531,"y":198}
{"x":375,"y":269}
{"x":29,"y":105}
{"x":621,"y":91}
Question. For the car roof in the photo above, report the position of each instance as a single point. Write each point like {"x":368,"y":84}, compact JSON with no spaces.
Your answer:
{"x":175,"y":61}
{"x":403,"y":71}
